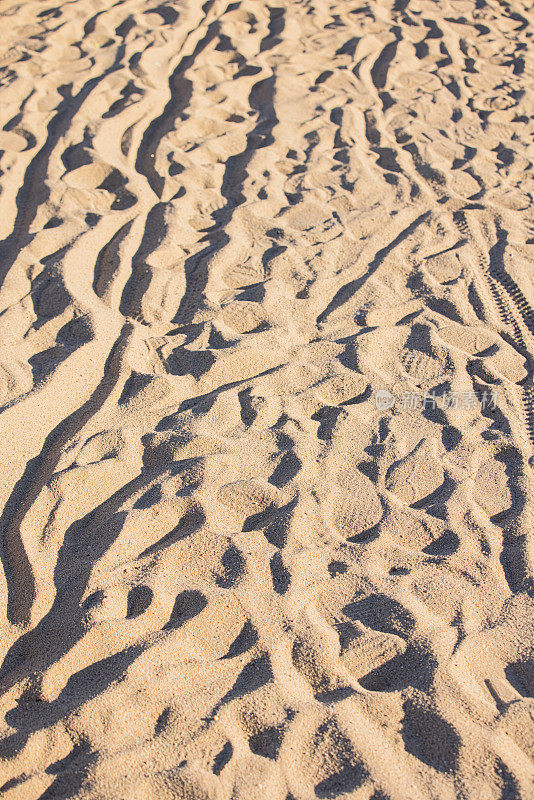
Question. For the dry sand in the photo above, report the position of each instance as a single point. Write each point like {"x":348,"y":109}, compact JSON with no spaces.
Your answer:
{"x":227,"y":574}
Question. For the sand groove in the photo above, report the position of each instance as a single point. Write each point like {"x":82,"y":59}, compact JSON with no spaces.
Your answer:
{"x":226,"y":573}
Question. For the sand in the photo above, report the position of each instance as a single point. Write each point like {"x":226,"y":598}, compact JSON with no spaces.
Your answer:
{"x":267,"y":401}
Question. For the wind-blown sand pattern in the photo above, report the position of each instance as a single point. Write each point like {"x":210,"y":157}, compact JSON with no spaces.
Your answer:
{"x":227,"y":574}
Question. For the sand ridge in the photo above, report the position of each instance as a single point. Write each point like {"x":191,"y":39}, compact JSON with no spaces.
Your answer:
{"x":227,"y":572}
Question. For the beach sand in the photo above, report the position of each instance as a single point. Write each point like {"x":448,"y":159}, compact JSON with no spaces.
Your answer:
{"x":267,"y":401}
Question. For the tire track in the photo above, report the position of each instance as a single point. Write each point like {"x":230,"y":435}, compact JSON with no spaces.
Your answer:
{"x":512,"y":307}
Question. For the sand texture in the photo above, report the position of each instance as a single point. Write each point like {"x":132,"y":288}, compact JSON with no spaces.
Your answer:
{"x":230,"y":569}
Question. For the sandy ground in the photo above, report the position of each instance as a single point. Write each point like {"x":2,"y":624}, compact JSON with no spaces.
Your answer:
{"x":266,"y":359}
